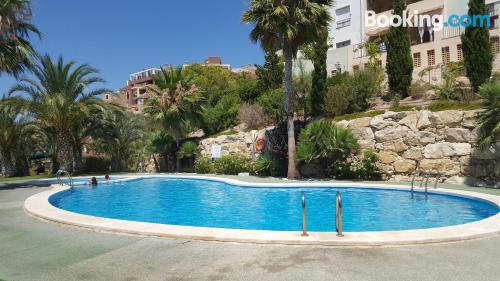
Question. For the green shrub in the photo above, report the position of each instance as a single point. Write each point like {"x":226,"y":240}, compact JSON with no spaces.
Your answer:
{"x":266,"y":166}
{"x":368,"y":169}
{"x":353,"y":94}
{"x":203,"y":166}
{"x":323,"y":143}
{"x":223,"y":115}
{"x":419,"y":89}
{"x":489,"y":118}
{"x":188,"y":150}
{"x":233,"y":165}
{"x":272,"y":102}
{"x":342,"y":170}
{"x":96,"y":164}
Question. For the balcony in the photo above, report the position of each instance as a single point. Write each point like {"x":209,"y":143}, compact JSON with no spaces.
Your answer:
{"x":380,"y":6}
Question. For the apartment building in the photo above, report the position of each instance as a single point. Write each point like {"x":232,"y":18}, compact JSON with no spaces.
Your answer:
{"x":430,"y":49}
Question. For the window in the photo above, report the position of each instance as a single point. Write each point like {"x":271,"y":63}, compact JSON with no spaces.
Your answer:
{"x":343,"y":44}
{"x":355,"y":68}
{"x":446,"y":55}
{"x":343,"y":23}
{"x":417,"y":60}
{"x":460,"y":55}
{"x":343,"y":11}
{"x":495,"y":44}
{"x":431,"y":57}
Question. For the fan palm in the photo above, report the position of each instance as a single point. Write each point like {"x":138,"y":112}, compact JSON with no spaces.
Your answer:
{"x":288,"y":24}
{"x":174,"y":104}
{"x":59,"y":97}
{"x":16,"y":51}
{"x":489,"y":119}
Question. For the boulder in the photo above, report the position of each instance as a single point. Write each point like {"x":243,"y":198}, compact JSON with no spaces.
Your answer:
{"x":414,"y":153}
{"x":410,"y":121}
{"x":459,"y":135}
{"x":365,"y":136}
{"x":359,"y":123}
{"x":343,"y":124}
{"x":445,"y":167}
{"x":470,"y":119}
{"x":450,"y":118}
{"x":395,"y":116}
{"x":426,"y":138}
{"x":423,"y":119}
{"x":445,"y":150}
{"x":405,"y":166}
{"x":388,"y":157}
{"x":378,"y":123}
{"x":395,"y":145}
{"x":390,"y":133}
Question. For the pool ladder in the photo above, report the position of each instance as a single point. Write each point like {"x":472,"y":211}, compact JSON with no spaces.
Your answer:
{"x":338,"y":215}
{"x":62,"y":173}
{"x":425,"y":179}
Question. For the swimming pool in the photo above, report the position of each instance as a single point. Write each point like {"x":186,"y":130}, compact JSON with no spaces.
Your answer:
{"x":216,"y":204}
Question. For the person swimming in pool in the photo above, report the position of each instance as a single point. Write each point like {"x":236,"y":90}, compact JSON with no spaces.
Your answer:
{"x":93,"y":181}
{"x":107,"y":178}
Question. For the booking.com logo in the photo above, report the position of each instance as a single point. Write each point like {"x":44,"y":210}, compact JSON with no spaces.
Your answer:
{"x":436,"y":22}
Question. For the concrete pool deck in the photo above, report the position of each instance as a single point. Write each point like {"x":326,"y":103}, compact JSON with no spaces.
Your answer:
{"x":36,"y":250}
{"x":38,"y":205}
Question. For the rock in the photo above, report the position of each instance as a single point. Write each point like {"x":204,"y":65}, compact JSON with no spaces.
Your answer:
{"x":387,"y":157}
{"x":390,"y":133}
{"x":378,"y":123}
{"x":426,"y":138}
{"x":405,"y":166}
{"x":410,"y":121}
{"x":343,"y":124}
{"x":450,"y":118}
{"x":359,"y":123}
{"x":396,"y":116}
{"x":470,"y":119}
{"x":445,"y":149}
{"x":462,"y":81}
{"x":424,"y":119}
{"x":431,"y":95}
{"x":365,"y":136}
{"x":413,"y":153}
{"x":445,"y":167}
{"x":395,"y":145}
{"x":458,"y":135}
{"x":411,"y":139}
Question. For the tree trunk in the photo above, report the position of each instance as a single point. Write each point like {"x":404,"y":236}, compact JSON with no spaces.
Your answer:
{"x":64,"y":152}
{"x":289,"y":111}
{"x":23,"y":167}
{"x":8,"y":169}
{"x":78,"y":161}
{"x":115,"y":163}
{"x":177,"y":159}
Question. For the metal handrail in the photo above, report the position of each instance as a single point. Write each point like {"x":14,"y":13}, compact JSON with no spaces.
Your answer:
{"x":413,"y":179}
{"x":426,"y":183}
{"x":304,"y":217}
{"x":338,"y":213}
{"x":61,"y":173}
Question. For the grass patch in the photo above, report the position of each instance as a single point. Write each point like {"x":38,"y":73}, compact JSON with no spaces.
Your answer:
{"x":402,"y":108}
{"x":443,"y":105}
{"x":357,"y":115}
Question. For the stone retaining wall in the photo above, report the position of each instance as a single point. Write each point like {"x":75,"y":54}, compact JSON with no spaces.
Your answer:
{"x":239,"y":144}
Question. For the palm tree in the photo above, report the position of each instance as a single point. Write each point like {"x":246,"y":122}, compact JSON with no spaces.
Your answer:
{"x":16,"y":51}
{"x":288,"y":24}
{"x":117,"y":136}
{"x":59,"y":97}
{"x":174,"y":104}
{"x":12,"y":131}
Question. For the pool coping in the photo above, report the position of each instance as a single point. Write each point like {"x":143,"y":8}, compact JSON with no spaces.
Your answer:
{"x":39,"y":206}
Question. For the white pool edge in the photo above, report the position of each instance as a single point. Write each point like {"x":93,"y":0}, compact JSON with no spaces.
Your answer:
{"x":39,"y":206}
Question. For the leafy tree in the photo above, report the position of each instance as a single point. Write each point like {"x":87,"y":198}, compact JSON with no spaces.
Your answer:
{"x":288,"y":25}
{"x":270,"y":75}
{"x":163,"y":144}
{"x":399,"y":61}
{"x":58,"y":98}
{"x":222,"y":115}
{"x":189,"y":151}
{"x":272,"y":103}
{"x":476,"y":45}
{"x":174,"y":104}
{"x":489,"y":119}
{"x":16,"y":51}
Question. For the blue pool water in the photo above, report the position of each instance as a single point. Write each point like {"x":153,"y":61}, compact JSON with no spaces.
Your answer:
{"x":214,"y":204}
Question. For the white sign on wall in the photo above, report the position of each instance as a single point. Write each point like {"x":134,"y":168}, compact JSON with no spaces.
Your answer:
{"x":216,"y":151}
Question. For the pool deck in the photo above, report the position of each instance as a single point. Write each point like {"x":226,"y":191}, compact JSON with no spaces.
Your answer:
{"x":36,"y":250}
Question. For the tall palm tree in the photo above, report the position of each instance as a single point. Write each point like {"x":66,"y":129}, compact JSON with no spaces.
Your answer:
{"x":288,"y":24}
{"x":12,"y":131}
{"x":174,"y":104}
{"x":16,"y":51}
{"x":59,"y":97}
{"x":489,"y":118}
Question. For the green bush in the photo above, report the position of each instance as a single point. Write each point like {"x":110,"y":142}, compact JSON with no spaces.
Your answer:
{"x":96,"y":164}
{"x":203,"y":166}
{"x":223,"y":115}
{"x":188,"y":150}
{"x":489,"y":118}
{"x":266,"y":166}
{"x":233,"y":165}
{"x":272,"y":102}
{"x":368,"y":169}
{"x":352,"y":94}
{"x":323,"y":143}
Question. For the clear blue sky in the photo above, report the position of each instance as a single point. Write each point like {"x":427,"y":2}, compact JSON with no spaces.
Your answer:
{"x":120,"y":37}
